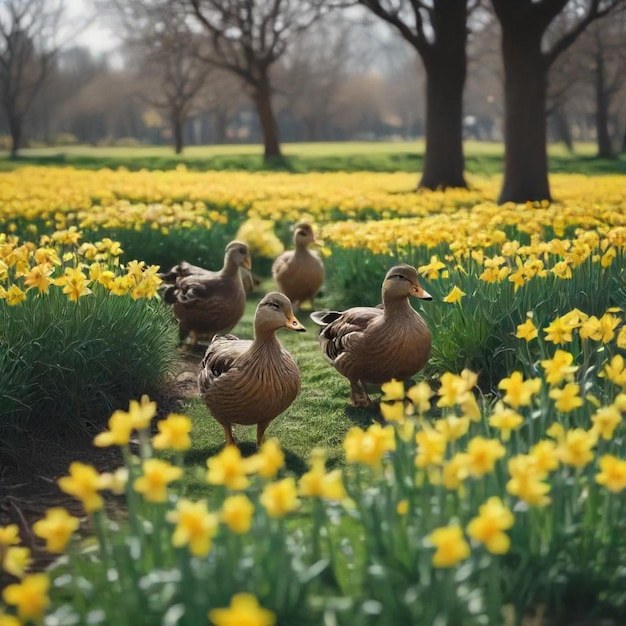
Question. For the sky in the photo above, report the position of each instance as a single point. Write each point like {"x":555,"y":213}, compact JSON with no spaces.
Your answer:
{"x":96,"y":36}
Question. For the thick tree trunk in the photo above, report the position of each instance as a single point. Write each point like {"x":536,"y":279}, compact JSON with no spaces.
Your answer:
{"x":605,"y":148}
{"x":445,"y":64}
{"x":263,"y":101}
{"x":525,"y":87}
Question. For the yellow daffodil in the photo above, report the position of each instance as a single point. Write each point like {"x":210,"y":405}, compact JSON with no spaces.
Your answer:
{"x":195,"y":526}
{"x":392,"y":411}
{"x":568,"y":398}
{"x":14,"y":295}
{"x":482,"y":455}
{"x":280,"y":498}
{"x":369,"y":446}
{"x":431,"y":270}
{"x":505,"y":420}
{"x":455,"y":471}
{"x":559,"y":332}
{"x":16,"y":560}
{"x":119,"y":432}
{"x":402,"y":508}
{"x":393,"y":390}
{"x":615,"y":371}
{"x":237,"y":512}
{"x":228,"y":468}
{"x":9,"y":535}
{"x":451,"y":546}
{"x":612,"y":473}
{"x":244,"y":610}
{"x":577,"y":447}
{"x":605,"y":420}
{"x":157,"y":475}
{"x":173,"y":433}
{"x":519,"y":392}
{"x":30,"y":596}
{"x":268,"y":460}
{"x":83,"y":483}
{"x":456,"y":295}
{"x":319,"y":483}
{"x":56,"y":528}
{"x":527,"y":331}
{"x":452,"y":427}
{"x":526,"y":481}
{"x":489,"y":526}
{"x":545,"y":455}
{"x":559,"y":367}
{"x":420,"y":395}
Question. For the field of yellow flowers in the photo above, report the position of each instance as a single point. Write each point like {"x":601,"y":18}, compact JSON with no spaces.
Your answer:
{"x":492,"y":490}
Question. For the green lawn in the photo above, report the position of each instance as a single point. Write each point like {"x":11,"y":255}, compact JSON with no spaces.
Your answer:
{"x":481,"y":157}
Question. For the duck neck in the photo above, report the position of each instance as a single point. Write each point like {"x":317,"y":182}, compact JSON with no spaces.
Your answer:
{"x":265,"y":341}
{"x":301,"y":248}
{"x":397,"y":307}
{"x":230,"y":268}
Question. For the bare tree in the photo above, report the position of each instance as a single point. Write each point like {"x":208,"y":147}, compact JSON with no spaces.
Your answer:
{"x":314,"y":71}
{"x":437,"y":30}
{"x":156,"y":31}
{"x":604,"y":48}
{"x":248,"y":37}
{"x":528,"y":53}
{"x":28,"y":31}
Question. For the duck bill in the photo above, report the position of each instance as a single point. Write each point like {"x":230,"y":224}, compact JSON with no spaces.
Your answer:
{"x":293,"y":324}
{"x":422,"y":294}
{"x":246,"y":263}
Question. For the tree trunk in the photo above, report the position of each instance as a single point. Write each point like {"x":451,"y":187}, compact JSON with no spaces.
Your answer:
{"x":15,"y":129}
{"x":178,"y":122}
{"x":525,"y":89}
{"x":562,"y":129}
{"x":263,"y":102}
{"x":445,"y":63}
{"x":605,"y":148}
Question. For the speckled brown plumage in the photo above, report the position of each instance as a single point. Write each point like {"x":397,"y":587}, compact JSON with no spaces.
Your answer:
{"x":252,"y":382}
{"x":211,"y":303}
{"x":375,"y":344}
{"x":299,"y":273}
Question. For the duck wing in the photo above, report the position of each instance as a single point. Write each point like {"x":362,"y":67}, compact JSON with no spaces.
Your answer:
{"x":219,"y":358}
{"x":282,"y":262}
{"x":340,"y":334}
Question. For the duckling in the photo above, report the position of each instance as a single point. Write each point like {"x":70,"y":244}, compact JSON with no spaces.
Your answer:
{"x":213,"y":302}
{"x":372,"y":345}
{"x":252,"y":382}
{"x":299,"y":273}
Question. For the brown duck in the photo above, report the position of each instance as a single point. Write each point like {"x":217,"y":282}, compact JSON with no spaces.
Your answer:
{"x":372,"y":345}
{"x":184,"y":269}
{"x":252,"y":382}
{"x":299,"y":273}
{"x":211,"y":303}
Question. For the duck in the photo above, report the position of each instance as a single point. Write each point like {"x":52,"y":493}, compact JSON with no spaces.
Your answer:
{"x":299,"y":273}
{"x":184,"y":269}
{"x":248,"y":382}
{"x":212,"y":302}
{"x":372,"y":345}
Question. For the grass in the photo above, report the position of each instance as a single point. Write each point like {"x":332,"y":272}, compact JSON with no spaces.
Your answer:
{"x":481,"y":157}
{"x":320,"y":416}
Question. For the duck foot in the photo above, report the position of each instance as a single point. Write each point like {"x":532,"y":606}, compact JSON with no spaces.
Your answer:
{"x":358,"y":395}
